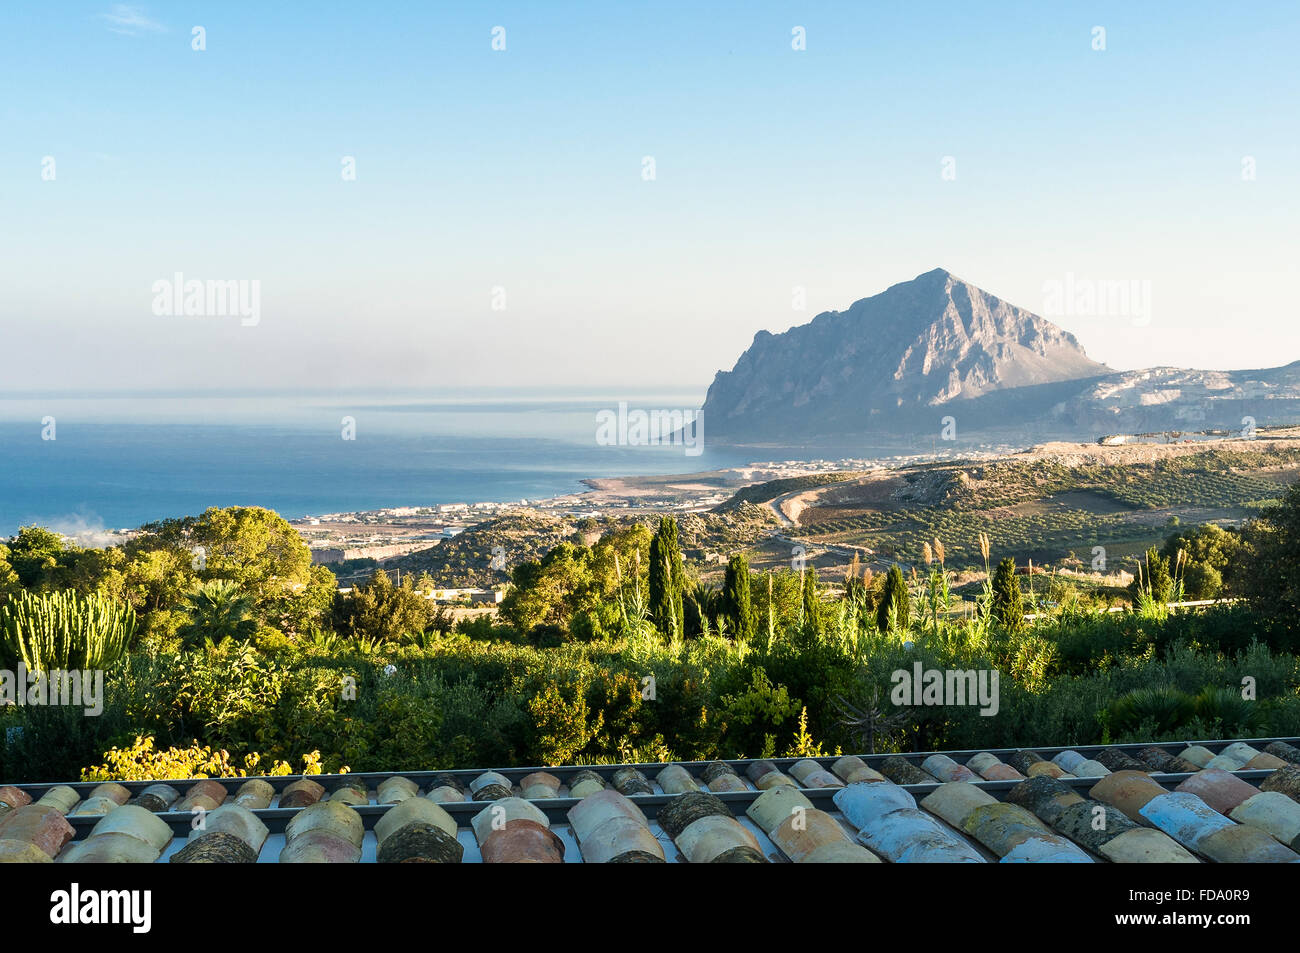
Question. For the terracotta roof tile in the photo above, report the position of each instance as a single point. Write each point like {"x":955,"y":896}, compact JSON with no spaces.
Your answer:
{"x":38,"y":824}
{"x":1219,"y":789}
{"x":1127,"y":790}
{"x":522,"y":841}
{"x":812,"y":810}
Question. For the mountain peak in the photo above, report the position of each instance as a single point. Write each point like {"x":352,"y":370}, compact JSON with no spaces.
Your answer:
{"x":917,"y":344}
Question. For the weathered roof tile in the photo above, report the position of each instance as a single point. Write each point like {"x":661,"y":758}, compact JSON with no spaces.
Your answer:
{"x":810,"y":774}
{"x":1001,"y":826}
{"x":1198,"y":755}
{"x":1116,"y":759}
{"x":1091,"y":824}
{"x":946,"y":769}
{"x":596,"y":809}
{"x":420,"y":843}
{"x":22,"y":852}
{"x":235,"y":820}
{"x":490,"y":786}
{"x":255,"y":794}
{"x":803,"y":831}
{"x":774,"y":806}
{"x":851,"y":769}
{"x":396,"y":789}
{"x":158,"y":797}
{"x":412,"y":811}
{"x":1068,"y":760}
{"x":522,"y":841}
{"x":1219,"y":789}
{"x":846,"y":852}
{"x":1184,"y":817}
{"x":1272,"y":812}
{"x":1128,"y":791}
{"x":956,"y":801}
{"x":707,"y":838}
{"x":62,"y":798}
{"x":301,"y":793}
{"x":14,"y":797}
{"x":136,"y":822}
{"x":1045,"y":849}
{"x":331,"y":816}
{"x":1142,"y":845}
{"x":674,"y":779}
{"x":320,"y":846}
{"x":619,"y":837}
{"x":38,"y":824}
{"x":1285,"y":781}
{"x":501,"y":812}
{"x":1287,"y":752}
{"x":206,"y":794}
{"x":909,"y":836}
{"x":901,"y":771}
{"x":215,"y":847}
{"x":630,"y":781}
{"x":585,"y":783}
{"x":1048,"y":798}
{"x":110,"y":848}
{"x":1239,"y":844}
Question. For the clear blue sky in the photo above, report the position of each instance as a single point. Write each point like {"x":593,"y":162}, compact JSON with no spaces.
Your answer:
{"x":522,"y":169}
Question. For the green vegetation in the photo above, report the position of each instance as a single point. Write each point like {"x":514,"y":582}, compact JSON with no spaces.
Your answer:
{"x":1209,"y":553}
{"x":737,"y":606}
{"x":486,"y":554}
{"x":63,"y":630}
{"x":217,"y":611}
{"x":1271,"y":554}
{"x":667,"y":580}
{"x":1040,"y":509}
{"x":893,"y":613}
{"x":610,"y":647}
{"x":1008,"y":608}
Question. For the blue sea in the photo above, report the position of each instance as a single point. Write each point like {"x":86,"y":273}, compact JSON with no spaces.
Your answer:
{"x":119,"y":461}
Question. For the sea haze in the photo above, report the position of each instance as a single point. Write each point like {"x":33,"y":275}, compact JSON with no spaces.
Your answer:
{"x":118,"y":462}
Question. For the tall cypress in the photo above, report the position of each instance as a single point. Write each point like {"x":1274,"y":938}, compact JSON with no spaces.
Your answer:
{"x":737,"y":605}
{"x":1008,"y":608}
{"x":811,"y":605}
{"x":667,"y":579}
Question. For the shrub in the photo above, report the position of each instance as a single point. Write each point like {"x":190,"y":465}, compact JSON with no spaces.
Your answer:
{"x":1162,"y":707}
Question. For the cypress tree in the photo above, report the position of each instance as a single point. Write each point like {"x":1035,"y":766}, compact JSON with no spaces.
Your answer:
{"x":667,"y":579}
{"x":893,"y":601}
{"x":660,"y":584}
{"x":811,"y":616}
{"x":736,"y":601}
{"x":1008,"y":608}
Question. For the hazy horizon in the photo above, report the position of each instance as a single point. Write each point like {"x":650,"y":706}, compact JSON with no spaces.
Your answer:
{"x":1013,"y":153}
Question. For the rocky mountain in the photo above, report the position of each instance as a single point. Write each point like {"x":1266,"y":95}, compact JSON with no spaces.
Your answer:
{"x":896,"y":363}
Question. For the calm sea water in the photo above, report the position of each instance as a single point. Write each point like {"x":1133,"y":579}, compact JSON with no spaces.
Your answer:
{"x":119,"y":462}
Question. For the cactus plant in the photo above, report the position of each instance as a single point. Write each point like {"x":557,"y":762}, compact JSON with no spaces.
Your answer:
{"x":64,"y":630}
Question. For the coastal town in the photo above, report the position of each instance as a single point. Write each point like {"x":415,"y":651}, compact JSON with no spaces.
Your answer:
{"x":381,"y":535}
